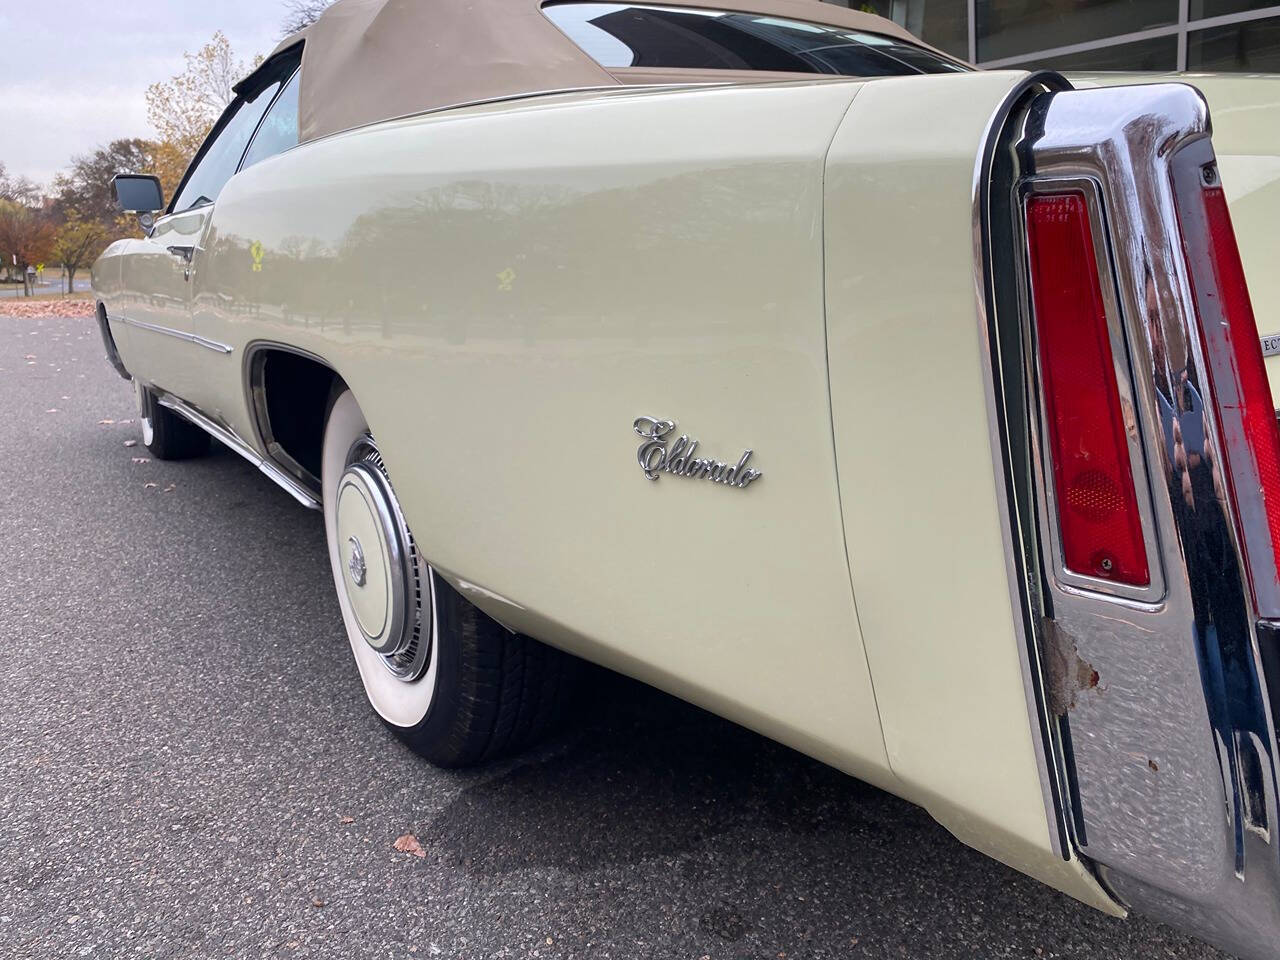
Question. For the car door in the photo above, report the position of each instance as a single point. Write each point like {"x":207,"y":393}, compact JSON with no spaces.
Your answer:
{"x":158,"y":270}
{"x":213,"y":323}
{"x":154,"y":274}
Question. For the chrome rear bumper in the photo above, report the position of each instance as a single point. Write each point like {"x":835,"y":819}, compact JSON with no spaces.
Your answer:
{"x":1160,"y":743}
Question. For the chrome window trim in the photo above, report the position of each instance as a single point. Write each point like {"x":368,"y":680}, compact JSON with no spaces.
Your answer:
{"x":237,"y":100}
{"x":295,"y":74}
{"x":713,"y":9}
{"x":184,"y":335}
{"x":989,"y":287}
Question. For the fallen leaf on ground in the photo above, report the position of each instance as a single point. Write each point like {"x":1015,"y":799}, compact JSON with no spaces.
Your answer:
{"x":141,"y":459}
{"x":408,"y":843}
{"x":347,"y":820}
{"x":105,"y":422}
{"x":148,"y":486}
{"x":317,"y":902}
{"x":170,"y":488}
{"x":52,"y":410}
{"x":46,"y":309}
{"x":131,"y":443}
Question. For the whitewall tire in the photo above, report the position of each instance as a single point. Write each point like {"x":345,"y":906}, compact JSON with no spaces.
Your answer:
{"x":449,"y":680}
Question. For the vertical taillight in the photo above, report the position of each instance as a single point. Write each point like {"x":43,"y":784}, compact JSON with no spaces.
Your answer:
{"x":1242,"y":393}
{"x":1098,"y":518}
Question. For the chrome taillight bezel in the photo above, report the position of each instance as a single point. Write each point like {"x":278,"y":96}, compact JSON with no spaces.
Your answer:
{"x":1168,"y":796}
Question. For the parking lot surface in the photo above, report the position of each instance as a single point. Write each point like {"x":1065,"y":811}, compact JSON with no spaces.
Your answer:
{"x":188,"y":767}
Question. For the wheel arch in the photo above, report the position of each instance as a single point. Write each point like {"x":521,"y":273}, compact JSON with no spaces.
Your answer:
{"x":287,"y":393}
{"x":109,"y":341}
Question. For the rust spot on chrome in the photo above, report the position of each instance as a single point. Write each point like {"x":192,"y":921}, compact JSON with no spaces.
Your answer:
{"x":1067,"y":674}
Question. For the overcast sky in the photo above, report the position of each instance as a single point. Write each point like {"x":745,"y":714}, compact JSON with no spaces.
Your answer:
{"x":73,"y":72}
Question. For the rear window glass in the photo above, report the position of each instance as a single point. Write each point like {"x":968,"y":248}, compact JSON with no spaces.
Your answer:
{"x":643,"y":35}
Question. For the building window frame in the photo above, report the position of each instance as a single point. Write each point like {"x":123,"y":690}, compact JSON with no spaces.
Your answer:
{"x":1181,"y":30}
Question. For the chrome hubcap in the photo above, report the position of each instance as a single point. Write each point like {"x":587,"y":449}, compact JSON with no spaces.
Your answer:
{"x":355,"y":562}
{"x":384,"y":578}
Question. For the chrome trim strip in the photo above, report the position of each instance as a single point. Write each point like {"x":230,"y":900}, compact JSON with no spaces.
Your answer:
{"x":1163,"y":729}
{"x":109,"y":342}
{"x":618,"y":87}
{"x":213,"y":345}
{"x":991,"y":172}
{"x":233,"y":440}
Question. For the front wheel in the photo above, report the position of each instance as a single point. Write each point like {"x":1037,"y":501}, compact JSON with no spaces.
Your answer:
{"x":450,"y":681}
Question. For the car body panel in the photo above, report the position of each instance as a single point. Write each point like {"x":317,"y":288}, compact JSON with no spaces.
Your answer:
{"x":105,"y":279}
{"x":155,"y":300}
{"x":661,"y":252}
{"x":914,"y":451}
{"x":475,"y":275}
{"x":507,"y":286}
{"x":792,"y":270}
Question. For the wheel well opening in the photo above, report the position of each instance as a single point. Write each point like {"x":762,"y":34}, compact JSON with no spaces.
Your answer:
{"x":109,"y":341}
{"x":290,"y":398}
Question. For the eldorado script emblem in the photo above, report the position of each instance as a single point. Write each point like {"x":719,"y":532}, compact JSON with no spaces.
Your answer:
{"x":655,"y":457}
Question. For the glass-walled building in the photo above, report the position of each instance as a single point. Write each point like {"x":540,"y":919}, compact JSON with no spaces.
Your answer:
{"x":1225,"y":35}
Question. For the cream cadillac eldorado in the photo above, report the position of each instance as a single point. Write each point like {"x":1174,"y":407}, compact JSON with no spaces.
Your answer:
{"x":912,"y":415}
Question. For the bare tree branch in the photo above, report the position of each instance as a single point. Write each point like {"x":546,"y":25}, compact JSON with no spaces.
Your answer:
{"x":302,"y":13}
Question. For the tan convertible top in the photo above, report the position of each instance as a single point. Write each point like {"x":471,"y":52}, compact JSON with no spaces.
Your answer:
{"x":369,"y":60}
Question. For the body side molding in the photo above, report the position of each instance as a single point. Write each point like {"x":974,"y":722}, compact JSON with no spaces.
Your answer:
{"x":233,"y":440}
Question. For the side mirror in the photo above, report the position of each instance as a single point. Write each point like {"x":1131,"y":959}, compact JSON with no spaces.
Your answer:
{"x":139,"y":193}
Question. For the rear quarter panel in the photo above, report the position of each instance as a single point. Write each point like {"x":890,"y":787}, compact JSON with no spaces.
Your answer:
{"x":506,"y":289}
{"x":914,"y":449}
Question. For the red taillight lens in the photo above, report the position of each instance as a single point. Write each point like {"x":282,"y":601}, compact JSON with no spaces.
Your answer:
{"x":1093,"y":478}
{"x":1243,"y":395}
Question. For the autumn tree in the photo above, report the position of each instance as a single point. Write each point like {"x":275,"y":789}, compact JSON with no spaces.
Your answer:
{"x":77,"y":243}
{"x":26,"y":237}
{"x":185,"y":107}
{"x":86,"y":190}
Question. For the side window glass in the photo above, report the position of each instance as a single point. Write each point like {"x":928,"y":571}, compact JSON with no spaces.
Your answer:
{"x":279,"y":129}
{"x":620,"y":35}
{"x":223,"y":153}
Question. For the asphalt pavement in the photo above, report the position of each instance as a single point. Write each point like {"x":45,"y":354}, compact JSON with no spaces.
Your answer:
{"x":188,"y":767}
